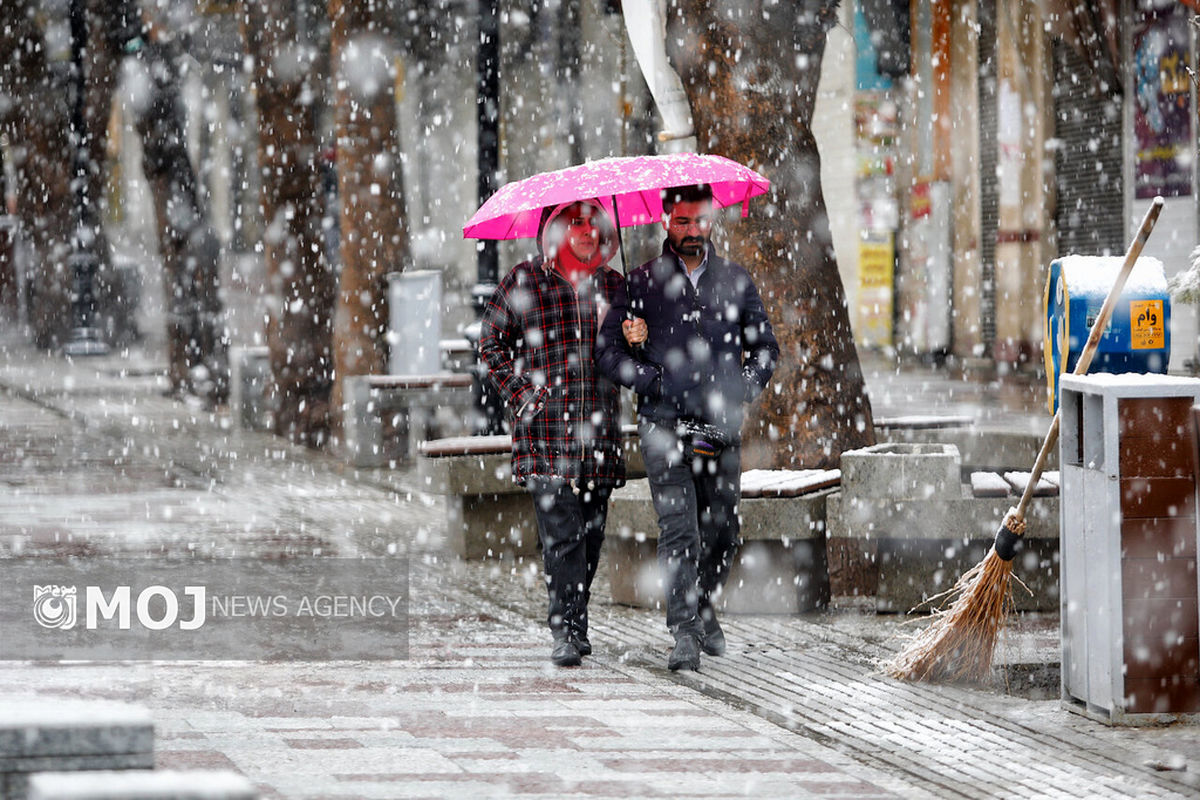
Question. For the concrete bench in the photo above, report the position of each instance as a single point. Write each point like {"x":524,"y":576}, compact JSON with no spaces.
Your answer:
{"x":387,"y":416}
{"x":163,"y":785}
{"x":780,"y":567}
{"x":49,"y":735}
{"x":490,"y":516}
{"x":254,"y":409}
{"x":908,"y":508}
{"x":980,"y":447}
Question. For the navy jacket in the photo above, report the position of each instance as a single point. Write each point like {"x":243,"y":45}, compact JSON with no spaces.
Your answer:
{"x":709,"y":349}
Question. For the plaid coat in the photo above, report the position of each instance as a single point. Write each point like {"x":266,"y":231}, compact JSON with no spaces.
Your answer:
{"x":536,"y":339}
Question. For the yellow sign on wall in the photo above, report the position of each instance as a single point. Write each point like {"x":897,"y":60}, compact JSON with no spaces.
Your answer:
{"x":1146,"y":329}
{"x":876,"y":267}
{"x":876,"y":259}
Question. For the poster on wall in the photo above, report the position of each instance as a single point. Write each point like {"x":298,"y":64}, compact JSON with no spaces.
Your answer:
{"x":876,"y":271}
{"x":1162,"y":102}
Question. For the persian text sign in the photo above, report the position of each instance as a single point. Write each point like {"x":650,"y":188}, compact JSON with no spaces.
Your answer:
{"x":1146,"y":329}
{"x":309,"y":609}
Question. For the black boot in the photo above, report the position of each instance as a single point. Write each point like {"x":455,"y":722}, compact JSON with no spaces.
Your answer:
{"x":714,"y":637}
{"x":686,"y":654}
{"x":565,"y":653}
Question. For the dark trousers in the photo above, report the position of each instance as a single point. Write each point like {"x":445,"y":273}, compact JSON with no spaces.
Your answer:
{"x":571,"y":531}
{"x":696,"y":498}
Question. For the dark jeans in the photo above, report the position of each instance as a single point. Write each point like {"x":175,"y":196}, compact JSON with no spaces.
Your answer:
{"x":571,"y":530}
{"x":697,"y":503}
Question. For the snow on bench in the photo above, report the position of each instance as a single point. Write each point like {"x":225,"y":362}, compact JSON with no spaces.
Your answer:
{"x":484,"y":445}
{"x":787,"y":482}
{"x":1047,"y":485}
{"x":433,"y":382}
{"x":465,"y":446}
{"x":988,"y":484}
{"x":206,"y":784}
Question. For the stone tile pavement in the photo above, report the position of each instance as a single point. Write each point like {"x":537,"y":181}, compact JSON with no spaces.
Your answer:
{"x":93,"y":460}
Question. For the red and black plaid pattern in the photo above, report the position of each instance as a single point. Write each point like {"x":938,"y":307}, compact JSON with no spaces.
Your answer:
{"x":537,"y":338}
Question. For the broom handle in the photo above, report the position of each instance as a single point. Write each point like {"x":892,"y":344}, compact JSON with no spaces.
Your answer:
{"x":1093,"y":343}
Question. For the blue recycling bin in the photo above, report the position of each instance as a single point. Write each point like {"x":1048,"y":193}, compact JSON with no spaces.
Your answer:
{"x":1138,"y":337}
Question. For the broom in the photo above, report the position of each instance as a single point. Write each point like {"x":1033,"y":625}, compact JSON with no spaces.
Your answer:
{"x":959,"y":643}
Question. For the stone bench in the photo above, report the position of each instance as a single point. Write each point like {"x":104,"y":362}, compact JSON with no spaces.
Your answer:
{"x":162,"y":785}
{"x":254,"y":409}
{"x":780,"y":567}
{"x":979,"y":446}
{"x":906,"y":505}
{"x":490,"y":516}
{"x":387,"y":416}
{"x":50,"y":735}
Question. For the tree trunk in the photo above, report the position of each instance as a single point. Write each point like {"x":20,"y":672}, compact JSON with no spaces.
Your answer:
{"x":197,"y":349}
{"x":109,"y":24}
{"x":37,"y":125}
{"x":370,"y":184}
{"x":302,"y":282}
{"x":751,"y":78}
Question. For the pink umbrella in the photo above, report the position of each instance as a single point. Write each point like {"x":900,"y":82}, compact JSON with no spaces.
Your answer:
{"x":633,"y":182}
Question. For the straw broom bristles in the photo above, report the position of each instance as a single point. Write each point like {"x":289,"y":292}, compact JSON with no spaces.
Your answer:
{"x":959,"y":643}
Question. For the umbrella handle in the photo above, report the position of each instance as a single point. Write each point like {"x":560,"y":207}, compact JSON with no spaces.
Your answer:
{"x":1093,"y":341}
{"x":620,"y":238}
{"x":621,"y":246}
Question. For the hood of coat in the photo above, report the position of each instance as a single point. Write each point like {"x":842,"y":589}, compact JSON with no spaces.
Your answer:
{"x":552,"y":241}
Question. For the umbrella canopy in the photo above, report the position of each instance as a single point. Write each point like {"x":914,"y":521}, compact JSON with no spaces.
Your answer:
{"x":633,"y":182}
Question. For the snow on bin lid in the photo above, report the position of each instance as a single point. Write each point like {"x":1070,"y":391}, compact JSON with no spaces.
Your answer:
{"x":1133,"y":384}
{"x":1097,"y":274}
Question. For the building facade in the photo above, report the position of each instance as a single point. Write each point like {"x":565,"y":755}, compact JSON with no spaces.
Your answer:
{"x":1017,"y":131}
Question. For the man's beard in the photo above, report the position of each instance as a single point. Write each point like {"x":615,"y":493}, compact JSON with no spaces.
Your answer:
{"x":691,"y":246}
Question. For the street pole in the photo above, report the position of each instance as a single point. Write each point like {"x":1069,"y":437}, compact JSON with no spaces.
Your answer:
{"x":83,"y":262}
{"x":487,"y":114}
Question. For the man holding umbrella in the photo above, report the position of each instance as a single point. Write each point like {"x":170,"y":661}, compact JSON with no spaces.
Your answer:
{"x":537,"y":338}
{"x":703,"y":348}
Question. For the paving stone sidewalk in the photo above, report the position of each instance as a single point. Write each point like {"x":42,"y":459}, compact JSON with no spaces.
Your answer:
{"x":94,"y":460}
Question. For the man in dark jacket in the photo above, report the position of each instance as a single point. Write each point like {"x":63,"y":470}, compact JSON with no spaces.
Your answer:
{"x":537,"y":338}
{"x":702,"y":346}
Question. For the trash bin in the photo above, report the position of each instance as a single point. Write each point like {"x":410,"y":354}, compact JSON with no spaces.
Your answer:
{"x":1138,"y":338}
{"x":415,"y":324}
{"x":1128,"y":584}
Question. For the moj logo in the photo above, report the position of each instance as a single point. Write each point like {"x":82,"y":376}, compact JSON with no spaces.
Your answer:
{"x":157,"y":607}
{"x":54,"y":606}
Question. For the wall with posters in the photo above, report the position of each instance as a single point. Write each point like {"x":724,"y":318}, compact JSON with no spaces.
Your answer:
{"x":876,"y":128}
{"x":1161,"y":150}
{"x":1162,"y":108}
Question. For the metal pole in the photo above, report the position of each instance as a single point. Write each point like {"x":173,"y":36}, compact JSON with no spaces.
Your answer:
{"x":85,"y":339}
{"x":487,"y":111}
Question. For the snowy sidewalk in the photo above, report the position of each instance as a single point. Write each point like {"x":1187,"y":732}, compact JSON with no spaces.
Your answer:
{"x":97,"y":462}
